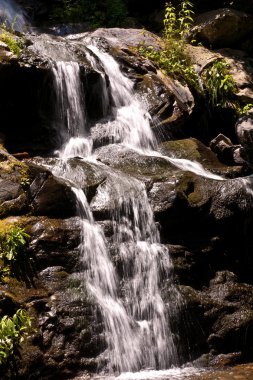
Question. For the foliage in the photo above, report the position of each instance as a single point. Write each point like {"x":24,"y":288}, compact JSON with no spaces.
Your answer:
{"x":177,"y":24}
{"x":12,"y":333}
{"x":219,"y":84}
{"x":173,"y":58}
{"x":96,"y":12}
{"x":8,"y":36}
{"x":242,"y":110}
{"x":216,"y":83}
{"x":13,"y":241}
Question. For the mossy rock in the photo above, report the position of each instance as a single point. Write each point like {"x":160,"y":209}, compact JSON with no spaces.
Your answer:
{"x":14,"y":181}
{"x":194,"y":150}
{"x":193,"y":188}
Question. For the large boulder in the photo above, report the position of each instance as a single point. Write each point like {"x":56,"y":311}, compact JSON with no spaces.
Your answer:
{"x":223,"y":27}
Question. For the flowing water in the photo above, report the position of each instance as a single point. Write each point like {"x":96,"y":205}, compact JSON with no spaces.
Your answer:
{"x":136,"y":319}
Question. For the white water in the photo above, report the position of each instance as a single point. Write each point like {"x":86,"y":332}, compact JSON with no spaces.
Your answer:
{"x":145,"y":262}
{"x":70,"y":110}
{"x":169,"y":374}
{"x":131,"y":120}
{"x":137,"y":322}
{"x":12,"y":14}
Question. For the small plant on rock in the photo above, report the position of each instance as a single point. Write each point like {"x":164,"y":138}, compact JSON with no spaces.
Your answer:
{"x":8,"y":37}
{"x":219,"y":84}
{"x":13,"y":242}
{"x":12,"y":333}
{"x":173,"y":58}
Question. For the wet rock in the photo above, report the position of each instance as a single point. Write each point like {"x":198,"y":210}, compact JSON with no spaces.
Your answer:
{"x":63,"y":314}
{"x":192,"y":149}
{"x":86,"y":175}
{"x":146,"y":167}
{"x":49,"y":195}
{"x":224,"y":310}
{"x":54,"y":242}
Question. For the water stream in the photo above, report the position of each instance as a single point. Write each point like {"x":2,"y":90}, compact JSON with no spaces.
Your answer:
{"x":137,"y":320}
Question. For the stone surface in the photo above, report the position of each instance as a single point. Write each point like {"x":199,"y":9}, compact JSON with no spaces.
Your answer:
{"x":244,"y":131}
{"x":223,"y":27}
{"x":49,"y":195}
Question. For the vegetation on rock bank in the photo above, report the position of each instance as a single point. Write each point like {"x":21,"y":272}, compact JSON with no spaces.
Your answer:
{"x":215,"y":83}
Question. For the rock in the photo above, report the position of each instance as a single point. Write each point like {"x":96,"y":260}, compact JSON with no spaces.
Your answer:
{"x":169,"y":103}
{"x":241,"y":68}
{"x":62,"y":312}
{"x":54,"y":242}
{"x":225,"y":307}
{"x":244,"y":131}
{"x":123,"y":38}
{"x":194,"y":150}
{"x":141,"y":166}
{"x":223,"y":27}
{"x":49,"y":195}
{"x":13,"y":179}
{"x":225,"y":150}
{"x":202,"y":57}
{"x":86,"y":175}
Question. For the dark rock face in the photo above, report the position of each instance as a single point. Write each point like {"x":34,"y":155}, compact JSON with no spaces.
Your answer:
{"x":223,"y":27}
{"x":67,"y":336}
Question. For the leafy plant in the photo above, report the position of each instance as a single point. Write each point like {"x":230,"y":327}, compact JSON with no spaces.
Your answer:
{"x":219,"y":84}
{"x":12,"y":334}
{"x":173,"y":58}
{"x":8,"y":36}
{"x":12,"y":245}
{"x":242,"y":110}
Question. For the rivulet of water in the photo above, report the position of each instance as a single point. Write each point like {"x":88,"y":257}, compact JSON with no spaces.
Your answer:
{"x":70,"y":110}
{"x":131,"y":124}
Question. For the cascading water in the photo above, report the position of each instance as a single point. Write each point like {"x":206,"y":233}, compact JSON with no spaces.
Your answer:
{"x":70,"y":115}
{"x":145,"y":262}
{"x":131,"y":120}
{"x":137,"y":321}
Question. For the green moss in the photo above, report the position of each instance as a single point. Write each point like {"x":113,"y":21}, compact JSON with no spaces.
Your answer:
{"x":12,"y":165}
{"x":190,"y":188}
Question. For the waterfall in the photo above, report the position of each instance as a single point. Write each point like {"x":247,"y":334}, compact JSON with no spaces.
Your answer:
{"x":131,"y":120}
{"x":145,"y":262}
{"x":137,"y":321}
{"x":70,"y":110}
{"x":12,"y":15}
